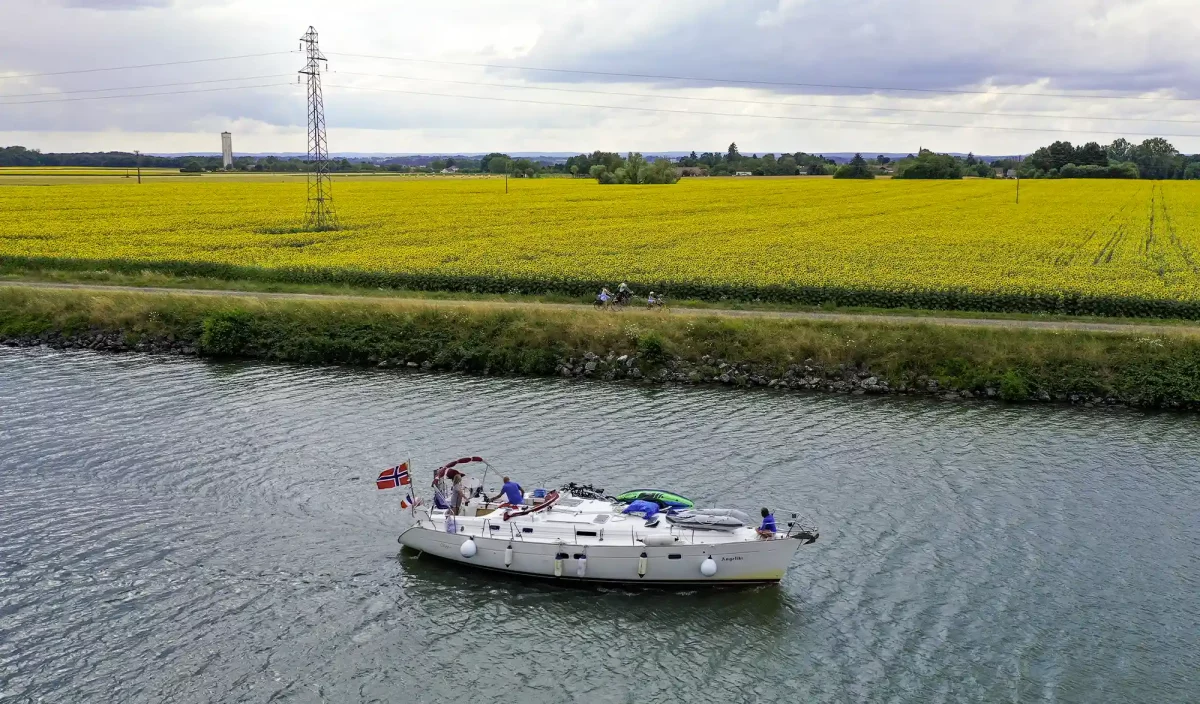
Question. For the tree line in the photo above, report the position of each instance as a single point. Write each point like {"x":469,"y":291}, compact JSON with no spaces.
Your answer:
{"x":1151,"y":159}
{"x":1154,"y":158}
{"x":733,"y":162}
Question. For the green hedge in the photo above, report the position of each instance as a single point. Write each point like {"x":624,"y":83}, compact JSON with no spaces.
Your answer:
{"x":843,"y":296}
{"x":1014,"y":364}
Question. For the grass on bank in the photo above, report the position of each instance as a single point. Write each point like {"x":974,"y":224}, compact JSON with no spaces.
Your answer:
{"x":155,"y":279}
{"x":1137,"y":369}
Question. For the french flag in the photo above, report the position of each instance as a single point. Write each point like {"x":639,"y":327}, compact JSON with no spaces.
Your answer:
{"x":393,"y":477}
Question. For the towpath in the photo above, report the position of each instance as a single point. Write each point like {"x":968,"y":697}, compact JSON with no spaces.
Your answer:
{"x":894,"y":319}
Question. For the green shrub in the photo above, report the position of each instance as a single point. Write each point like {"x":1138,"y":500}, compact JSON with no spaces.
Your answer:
{"x":226,"y":333}
{"x":651,"y":347}
{"x":1013,"y":387}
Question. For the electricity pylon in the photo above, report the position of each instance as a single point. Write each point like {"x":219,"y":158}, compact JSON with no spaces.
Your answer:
{"x":319,"y":211}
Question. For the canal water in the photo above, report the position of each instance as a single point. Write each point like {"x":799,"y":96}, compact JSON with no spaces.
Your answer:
{"x":183,"y":531}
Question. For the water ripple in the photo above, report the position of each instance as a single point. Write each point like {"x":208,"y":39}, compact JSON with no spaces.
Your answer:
{"x":185,"y":531}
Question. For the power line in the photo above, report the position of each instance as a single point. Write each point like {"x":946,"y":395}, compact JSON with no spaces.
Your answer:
{"x":768,"y":102}
{"x":767,"y":117}
{"x":700,"y":79}
{"x":164,"y":63}
{"x":146,"y":95}
{"x":156,"y":85}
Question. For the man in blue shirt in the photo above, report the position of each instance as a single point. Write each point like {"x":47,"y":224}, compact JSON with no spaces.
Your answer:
{"x":767,"y":529}
{"x":511,"y":491}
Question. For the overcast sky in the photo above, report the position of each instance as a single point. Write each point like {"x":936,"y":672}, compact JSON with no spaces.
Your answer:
{"x":998,"y":53}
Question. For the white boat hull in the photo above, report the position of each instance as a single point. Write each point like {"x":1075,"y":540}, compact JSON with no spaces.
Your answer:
{"x":750,"y":561}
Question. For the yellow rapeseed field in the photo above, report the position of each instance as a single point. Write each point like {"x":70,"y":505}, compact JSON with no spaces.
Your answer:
{"x":1092,"y":238}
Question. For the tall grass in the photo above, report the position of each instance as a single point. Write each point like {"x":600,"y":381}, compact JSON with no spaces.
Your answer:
{"x":533,"y":340}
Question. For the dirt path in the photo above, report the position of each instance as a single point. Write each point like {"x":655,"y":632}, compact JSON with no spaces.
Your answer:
{"x":983,"y":322}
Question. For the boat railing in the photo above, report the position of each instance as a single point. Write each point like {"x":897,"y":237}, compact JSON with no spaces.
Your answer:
{"x":798,"y":522}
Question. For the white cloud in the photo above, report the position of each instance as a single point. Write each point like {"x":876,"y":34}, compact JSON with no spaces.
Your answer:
{"x":1086,"y":46}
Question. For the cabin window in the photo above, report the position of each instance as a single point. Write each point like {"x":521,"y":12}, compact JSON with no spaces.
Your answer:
{"x":586,"y":533}
{"x":577,"y":555}
{"x":602,"y":518}
{"x":526,"y":530}
{"x":493,"y":527}
{"x":674,"y":556}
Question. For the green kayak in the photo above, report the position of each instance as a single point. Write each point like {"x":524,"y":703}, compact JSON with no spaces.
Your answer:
{"x":657,"y":495}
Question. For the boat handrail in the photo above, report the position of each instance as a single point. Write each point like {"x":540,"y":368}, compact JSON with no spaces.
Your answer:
{"x":797,"y":520}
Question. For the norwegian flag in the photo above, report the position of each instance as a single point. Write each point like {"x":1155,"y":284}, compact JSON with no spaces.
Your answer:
{"x":393,"y":477}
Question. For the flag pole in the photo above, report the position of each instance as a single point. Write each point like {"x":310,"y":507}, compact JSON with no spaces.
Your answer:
{"x":412,"y":490}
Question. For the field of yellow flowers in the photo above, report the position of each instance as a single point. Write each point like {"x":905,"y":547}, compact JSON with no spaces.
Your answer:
{"x":1083,"y":246}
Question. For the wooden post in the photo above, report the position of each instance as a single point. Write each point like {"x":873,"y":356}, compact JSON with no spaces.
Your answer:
{"x":139,"y":164}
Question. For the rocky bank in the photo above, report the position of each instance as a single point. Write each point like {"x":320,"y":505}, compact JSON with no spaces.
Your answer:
{"x":806,"y":376}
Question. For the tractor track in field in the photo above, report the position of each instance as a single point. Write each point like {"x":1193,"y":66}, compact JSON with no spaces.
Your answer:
{"x":847,"y":317}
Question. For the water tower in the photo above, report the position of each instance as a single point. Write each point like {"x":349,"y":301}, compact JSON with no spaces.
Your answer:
{"x":226,"y":150}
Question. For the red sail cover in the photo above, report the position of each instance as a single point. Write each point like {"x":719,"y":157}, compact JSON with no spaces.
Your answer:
{"x":441,"y":471}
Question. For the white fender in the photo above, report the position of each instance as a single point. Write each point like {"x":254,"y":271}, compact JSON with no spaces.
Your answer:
{"x":558,"y":566}
{"x":468,"y":548}
{"x":709,"y":567}
{"x":643,"y":563}
{"x":508,"y":556}
{"x":581,"y":566}
{"x":659,"y":540}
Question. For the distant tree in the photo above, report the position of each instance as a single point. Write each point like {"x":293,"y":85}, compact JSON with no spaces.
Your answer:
{"x":733,"y":156}
{"x":816,"y":168}
{"x":928,"y":165}
{"x":983,"y":170}
{"x":1091,"y":154}
{"x":857,"y":168}
{"x":494,"y":163}
{"x":971,"y":160}
{"x":635,"y":161}
{"x":1061,"y":154}
{"x":1119,"y":150}
{"x":661,"y":171}
{"x":1123,"y":170}
{"x":1155,"y":158}
{"x":1055,"y":156}
{"x":20,"y":156}
{"x":635,"y":169}
{"x":192,"y":166}
{"x":524,"y":168}
{"x":882,"y":160}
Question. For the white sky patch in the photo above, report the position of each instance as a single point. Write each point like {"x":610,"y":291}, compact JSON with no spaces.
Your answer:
{"x":1089,"y":47}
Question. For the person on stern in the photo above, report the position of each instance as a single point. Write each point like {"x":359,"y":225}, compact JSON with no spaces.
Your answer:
{"x":511,"y":491}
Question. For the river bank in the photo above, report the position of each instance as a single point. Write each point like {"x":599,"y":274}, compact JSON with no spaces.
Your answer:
{"x":905,"y":358}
